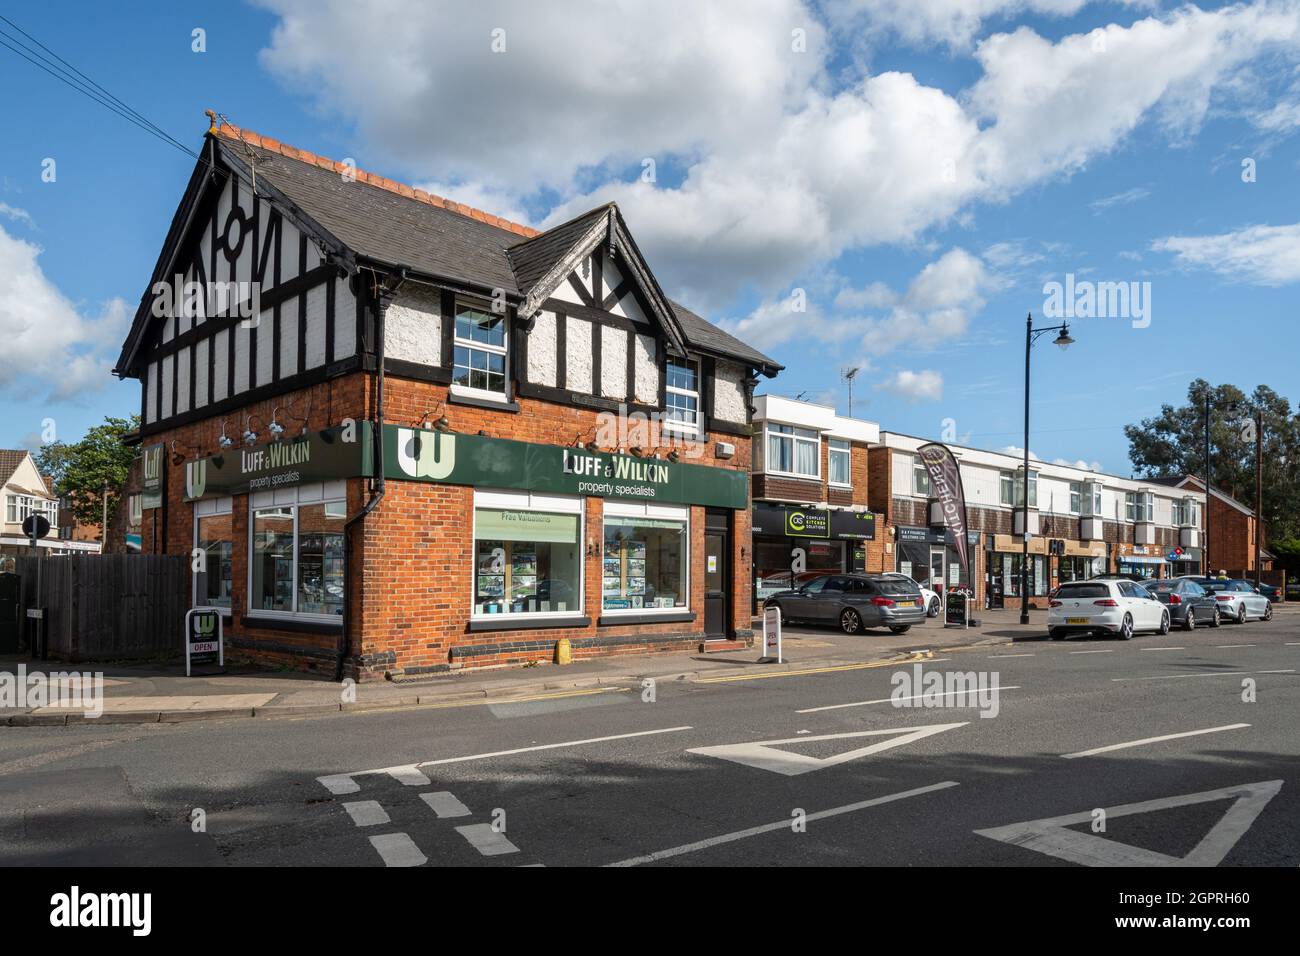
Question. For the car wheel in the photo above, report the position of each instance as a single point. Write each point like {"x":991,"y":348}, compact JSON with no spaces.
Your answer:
{"x":1056,"y":634}
{"x":900,"y":628}
{"x":1126,"y":628}
{"x":1218,"y":617}
{"x":1164,"y":623}
{"x":850,"y":621}
{"x":1268,"y":612}
{"x":1189,"y":621}
{"x":933,"y":609}
{"x":1241,"y":614}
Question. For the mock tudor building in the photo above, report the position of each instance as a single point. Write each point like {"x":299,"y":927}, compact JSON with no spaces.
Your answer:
{"x":24,"y":491}
{"x":403,"y":435}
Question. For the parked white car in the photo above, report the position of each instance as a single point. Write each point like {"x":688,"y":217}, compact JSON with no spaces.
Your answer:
{"x":933,"y":602}
{"x":1122,"y":608}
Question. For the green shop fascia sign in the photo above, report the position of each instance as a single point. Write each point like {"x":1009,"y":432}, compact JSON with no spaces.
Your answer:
{"x":344,"y":451}
{"x":414,"y":454}
{"x":151,"y":468}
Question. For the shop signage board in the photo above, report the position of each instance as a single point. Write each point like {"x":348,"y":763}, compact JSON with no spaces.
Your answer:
{"x":345,"y":451}
{"x":945,"y":480}
{"x":956,"y":610}
{"x":204,"y":638}
{"x":414,"y":454}
{"x":772,"y":634}
{"x":151,"y":467}
{"x":814,"y":523}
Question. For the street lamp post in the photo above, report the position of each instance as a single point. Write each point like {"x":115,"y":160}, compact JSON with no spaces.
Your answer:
{"x":1064,"y":341}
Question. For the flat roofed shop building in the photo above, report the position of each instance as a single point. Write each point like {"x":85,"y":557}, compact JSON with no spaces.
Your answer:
{"x":439,"y":439}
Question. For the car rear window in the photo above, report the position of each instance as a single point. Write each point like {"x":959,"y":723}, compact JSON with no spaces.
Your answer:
{"x":1162,"y":587}
{"x":896,"y":586}
{"x":1215,"y":585}
{"x":1083,"y":591}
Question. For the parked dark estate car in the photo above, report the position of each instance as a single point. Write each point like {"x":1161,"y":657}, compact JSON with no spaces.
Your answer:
{"x":854,"y":602}
{"x":1189,"y":604}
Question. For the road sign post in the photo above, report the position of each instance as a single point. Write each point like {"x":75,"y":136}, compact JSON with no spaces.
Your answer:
{"x":205,"y":637}
{"x":36,"y":527}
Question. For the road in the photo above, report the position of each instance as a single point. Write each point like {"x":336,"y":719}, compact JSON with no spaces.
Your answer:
{"x":1159,"y":751}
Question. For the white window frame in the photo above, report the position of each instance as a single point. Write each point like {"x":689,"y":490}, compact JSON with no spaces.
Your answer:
{"x":629,"y":509}
{"x":676,"y":424}
{"x":920,"y":479}
{"x":528,"y":501}
{"x":795,"y":435}
{"x":312,"y":493}
{"x":503,"y":350}
{"x":212,"y":508}
{"x":845,"y":448}
{"x":1014,"y":476}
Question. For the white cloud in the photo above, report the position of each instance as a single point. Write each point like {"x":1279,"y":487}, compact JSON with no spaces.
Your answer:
{"x":14,"y":214}
{"x":768,"y":166}
{"x":1127,"y":197}
{"x":1259,"y":255}
{"x":48,"y":343}
{"x":1078,"y":463}
{"x":923,"y":386}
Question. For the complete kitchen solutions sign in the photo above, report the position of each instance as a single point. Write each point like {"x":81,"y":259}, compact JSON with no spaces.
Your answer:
{"x":476,"y":460}
{"x":344,"y":451}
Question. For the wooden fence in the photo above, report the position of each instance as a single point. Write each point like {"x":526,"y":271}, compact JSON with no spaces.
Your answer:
{"x":107,"y":606}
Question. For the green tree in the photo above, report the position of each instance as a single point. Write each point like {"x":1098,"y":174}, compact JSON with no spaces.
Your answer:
{"x":1173,"y":443}
{"x":81,"y":470}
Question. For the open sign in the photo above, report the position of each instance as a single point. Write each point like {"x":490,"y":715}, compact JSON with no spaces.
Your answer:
{"x":204,"y":638}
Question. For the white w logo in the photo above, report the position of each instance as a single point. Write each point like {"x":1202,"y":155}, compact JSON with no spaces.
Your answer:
{"x":196,"y":478}
{"x":429,"y":455}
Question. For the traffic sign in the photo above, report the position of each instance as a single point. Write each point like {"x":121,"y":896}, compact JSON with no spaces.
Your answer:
{"x":36,"y":526}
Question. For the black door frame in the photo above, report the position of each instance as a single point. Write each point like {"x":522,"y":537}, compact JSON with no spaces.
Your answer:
{"x":719,"y":523}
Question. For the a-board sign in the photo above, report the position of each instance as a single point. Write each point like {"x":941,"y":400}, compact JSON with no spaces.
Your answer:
{"x":204,"y":638}
{"x":956,"y":611}
{"x":772,"y":633}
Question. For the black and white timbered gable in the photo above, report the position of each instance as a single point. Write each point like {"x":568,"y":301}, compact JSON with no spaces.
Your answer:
{"x":282,"y":268}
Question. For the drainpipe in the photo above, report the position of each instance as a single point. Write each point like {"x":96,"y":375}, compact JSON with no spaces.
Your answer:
{"x":381,"y":310}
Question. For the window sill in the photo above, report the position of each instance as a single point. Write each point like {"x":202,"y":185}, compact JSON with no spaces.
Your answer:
{"x":788,"y":474}
{"x":299,"y":625}
{"x":668,"y":617}
{"x":481,"y":400}
{"x":523,"y":622}
{"x":838,"y":486}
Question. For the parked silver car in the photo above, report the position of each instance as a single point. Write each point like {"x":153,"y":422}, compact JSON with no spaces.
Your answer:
{"x":854,"y":602}
{"x":1238,"y":600}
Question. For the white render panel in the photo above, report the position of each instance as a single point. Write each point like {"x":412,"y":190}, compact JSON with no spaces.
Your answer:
{"x":288,"y":252}
{"x":244,"y":261}
{"x":202,"y":355}
{"x":243,"y":338}
{"x":577,"y":360}
{"x":168,"y":366}
{"x":613,"y":362}
{"x":541,"y":350}
{"x":345,"y":320}
{"x":313,"y":255}
{"x":183,"y":380}
{"x":151,"y":393}
{"x":413,"y":327}
{"x":220,"y":365}
{"x":315,"y":324}
{"x":729,"y":392}
{"x":265,"y":332}
{"x":901,"y":480}
{"x":222,"y":272}
{"x":289,"y":335}
{"x":565,"y":291}
{"x":205,"y":253}
{"x":646,"y":369}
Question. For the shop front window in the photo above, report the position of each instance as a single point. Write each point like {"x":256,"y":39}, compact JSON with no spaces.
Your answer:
{"x":1011,"y":575}
{"x":1078,"y":568}
{"x":296,"y":560}
{"x":644,"y":563}
{"x":526,"y":562}
{"x":214,"y":543}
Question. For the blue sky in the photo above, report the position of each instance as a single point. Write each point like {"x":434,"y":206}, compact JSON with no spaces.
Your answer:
{"x":919,"y":174}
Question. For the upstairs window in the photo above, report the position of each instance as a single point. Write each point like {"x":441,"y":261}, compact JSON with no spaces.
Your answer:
{"x":1139,"y":506}
{"x":480,"y":351}
{"x":682,"y":395}
{"x":920,"y":479}
{"x":1011,"y":489}
{"x":793,"y":451}
{"x":838,"y":462}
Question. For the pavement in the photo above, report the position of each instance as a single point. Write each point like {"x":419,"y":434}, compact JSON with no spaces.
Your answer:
{"x":153,"y":694}
{"x":1170,"y":750}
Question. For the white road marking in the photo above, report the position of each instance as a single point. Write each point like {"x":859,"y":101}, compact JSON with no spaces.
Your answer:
{"x":1153,"y":740}
{"x":397,"y":849}
{"x":1011,"y":655}
{"x":887,"y":700}
{"x":1107,"y":651}
{"x":409,"y":774}
{"x":1187,"y":676}
{"x":764,"y":755}
{"x":1292,"y":644}
{"x":487,"y":841}
{"x":1234,"y":645}
{"x":444,"y":804}
{"x":1050,"y":836}
{"x":1162,"y":648}
{"x":366,"y":813}
{"x":779,"y":825}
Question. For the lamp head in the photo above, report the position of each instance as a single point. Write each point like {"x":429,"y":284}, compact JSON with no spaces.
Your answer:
{"x":1064,"y":340}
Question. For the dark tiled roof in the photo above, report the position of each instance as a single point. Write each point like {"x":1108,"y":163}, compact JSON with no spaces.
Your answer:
{"x":703,"y":334}
{"x":533,"y":258}
{"x":10,"y":459}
